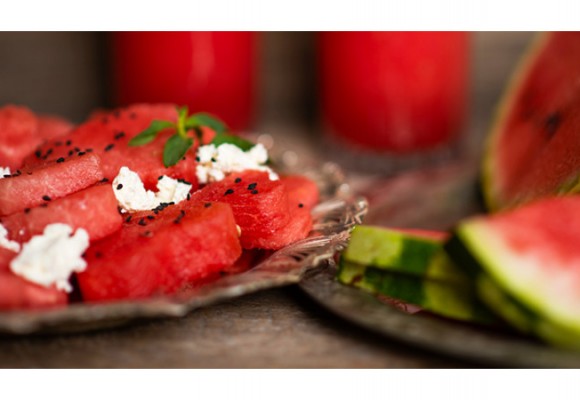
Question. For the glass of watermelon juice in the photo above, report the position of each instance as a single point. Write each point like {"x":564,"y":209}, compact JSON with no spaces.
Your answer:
{"x":207,"y":71}
{"x":397,"y":96}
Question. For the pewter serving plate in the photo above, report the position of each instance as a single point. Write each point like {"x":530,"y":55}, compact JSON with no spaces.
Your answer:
{"x":428,"y":199}
{"x":333,"y":218}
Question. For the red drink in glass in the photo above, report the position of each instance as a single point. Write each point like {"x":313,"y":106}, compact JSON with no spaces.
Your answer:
{"x":207,"y":71}
{"x":395,"y":93}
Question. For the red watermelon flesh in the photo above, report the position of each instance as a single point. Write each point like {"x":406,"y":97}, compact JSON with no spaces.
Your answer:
{"x":17,"y":294}
{"x":94,"y":209}
{"x":50,"y":181}
{"x":18,"y":135}
{"x":108,"y":134}
{"x":50,"y":127}
{"x":177,"y":247}
{"x":533,"y":147}
{"x":260,"y":205}
{"x":301,"y":190}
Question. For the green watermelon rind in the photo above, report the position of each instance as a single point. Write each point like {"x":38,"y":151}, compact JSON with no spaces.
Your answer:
{"x":401,"y":251}
{"x":448,"y":300}
{"x":489,"y":171}
{"x":520,"y":302}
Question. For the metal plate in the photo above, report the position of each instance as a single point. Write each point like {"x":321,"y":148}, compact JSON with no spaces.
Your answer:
{"x":333,"y":218}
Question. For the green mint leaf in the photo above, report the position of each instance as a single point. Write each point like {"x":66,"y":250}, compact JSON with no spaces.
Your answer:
{"x":150,"y":133}
{"x":240,"y":142}
{"x":205,"y":119}
{"x":175,"y":148}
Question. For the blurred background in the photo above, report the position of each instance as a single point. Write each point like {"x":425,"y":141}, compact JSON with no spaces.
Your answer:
{"x":72,"y":73}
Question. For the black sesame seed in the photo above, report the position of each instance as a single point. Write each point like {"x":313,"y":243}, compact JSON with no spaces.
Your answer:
{"x":70,"y":153}
{"x":81,"y":153}
{"x":7,"y":176}
{"x":77,"y":149}
{"x":178,"y":219}
{"x":238,"y":180}
{"x":254,"y":191}
{"x":119,"y":135}
{"x":188,"y":196}
{"x":197,"y":159}
{"x":213,"y":159}
{"x":300,"y":205}
{"x":128,"y":219}
{"x":147,"y":234}
{"x":60,"y":159}
{"x":89,"y":150}
{"x":38,"y":153}
{"x":160,"y":177}
{"x":206,"y":205}
{"x":109,"y":147}
{"x":142,"y":222}
{"x":119,"y":186}
{"x":68,"y":142}
{"x":104,"y":180}
{"x":26,"y":210}
{"x":229,"y":191}
{"x":184,"y":181}
{"x":150,"y":217}
{"x":252,"y":186}
{"x":46,"y":198}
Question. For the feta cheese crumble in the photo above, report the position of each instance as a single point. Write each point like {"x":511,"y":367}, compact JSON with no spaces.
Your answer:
{"x":7,"y":243}
{"x":4,"y":171}
{"x":52,"y":257}
{"x":132,"y":196}
{"x":216,"y":162}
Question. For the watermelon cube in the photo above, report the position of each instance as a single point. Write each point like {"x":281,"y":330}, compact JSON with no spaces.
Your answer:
{"x":260,"y":205}
{"x":50,"y":181}
{"x":18,"y":135}
{"x":160,"y":253}
{"x":17,"y":293}
{"x":93,"y":209}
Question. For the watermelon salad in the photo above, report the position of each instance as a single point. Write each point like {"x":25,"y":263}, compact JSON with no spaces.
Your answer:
{"x":135,"y":202}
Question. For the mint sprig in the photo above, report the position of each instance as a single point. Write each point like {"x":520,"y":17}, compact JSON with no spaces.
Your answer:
{"x":178,"y":144}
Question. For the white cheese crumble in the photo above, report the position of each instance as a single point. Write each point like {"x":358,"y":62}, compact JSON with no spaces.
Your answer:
{"x":214,"y":163}
{"x":132,"y":195}
{"x":4,"y":171}
{"x":7,"y":243}
{"x":52,"y":257}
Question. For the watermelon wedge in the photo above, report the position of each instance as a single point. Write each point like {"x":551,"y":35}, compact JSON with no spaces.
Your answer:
{"x":526,"y":266}
{"x":161,"y":253}
{"x":94,"y":209}
{"x":532,"y":149}
{"x":48,"y":181}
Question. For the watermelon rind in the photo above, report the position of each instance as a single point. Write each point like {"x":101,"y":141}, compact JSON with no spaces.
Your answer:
{"x":442,"y":298}
{"x":519,"y":289}
{"x":490,"y":172}
{"x":415,"y":253}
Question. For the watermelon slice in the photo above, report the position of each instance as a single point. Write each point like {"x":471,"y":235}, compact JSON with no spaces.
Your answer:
{"x":532,"y":149}
{"x":49,"y":181}
{"x":18,"y":135}
{"x":93,"y":209}
{"x":107,"y":135}
{"x":18,"y":294}
{"x":526,"y":266}
{"x":159,"y":253}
